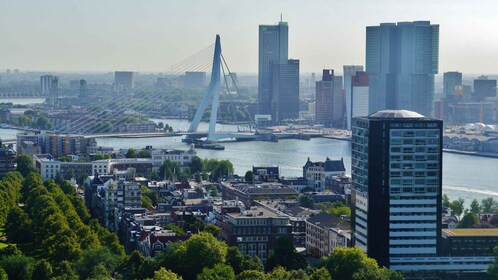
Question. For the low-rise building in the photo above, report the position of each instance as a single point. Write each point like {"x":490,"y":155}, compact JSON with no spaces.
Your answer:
{"x":317,"y":172}
{"x":324,"y":232}
{"x":247,"y":193}
{"x":254,"y":231}
{"x":470,"y":241}
{"x":7,"y":160}
{"x":182,"y":158}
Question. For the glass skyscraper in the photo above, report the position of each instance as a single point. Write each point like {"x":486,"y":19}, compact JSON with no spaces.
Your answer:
{"x":273,"y":49}
{"x":401,"y":60}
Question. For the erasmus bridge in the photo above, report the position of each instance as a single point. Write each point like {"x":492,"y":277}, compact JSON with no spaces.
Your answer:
{"x":89,"y":123}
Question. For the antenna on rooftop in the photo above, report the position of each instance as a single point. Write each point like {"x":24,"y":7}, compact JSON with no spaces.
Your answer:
{"x":280,"y":17}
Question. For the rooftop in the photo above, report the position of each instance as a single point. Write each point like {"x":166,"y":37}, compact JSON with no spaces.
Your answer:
{"x":470,"y":232}
{"x":396,"y":114}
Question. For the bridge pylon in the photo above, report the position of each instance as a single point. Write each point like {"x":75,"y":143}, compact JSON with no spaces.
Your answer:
{"x":212,"y":93}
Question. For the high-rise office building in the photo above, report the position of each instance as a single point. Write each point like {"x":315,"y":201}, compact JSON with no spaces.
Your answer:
{"x":348,"y":72}
{"x":285,"y":90}
{"x":329,"y":100}
{"x":46,"y":82}
{"x":194,"y":79}
{"x":401,"y":60}
{"x":359,"y":94}
{"x":124,"y":79}
{"x":274,"y":65}
{"x":273,"y":49}
{"x":484,"y":87}
{"x":397,"y":182}
{"x":451,"y":80}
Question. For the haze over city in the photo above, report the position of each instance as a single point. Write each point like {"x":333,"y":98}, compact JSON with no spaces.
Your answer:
{"x":151,"y":36}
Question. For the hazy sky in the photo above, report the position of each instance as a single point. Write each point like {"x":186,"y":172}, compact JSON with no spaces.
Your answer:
{"x":98,"y":35}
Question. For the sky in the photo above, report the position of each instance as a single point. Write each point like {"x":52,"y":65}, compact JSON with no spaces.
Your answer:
{"x":153,"y":35}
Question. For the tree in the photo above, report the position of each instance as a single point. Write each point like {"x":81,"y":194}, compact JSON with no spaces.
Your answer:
{"x":214,"y":230}
{"x":457,"y":206}
{"x":164,"y":274}
{"x":93,"y":257}
{"x":131,"y":153}
{"x":143,"y":154}
{"x":24,"y":120}
{"x":469,"y":220}
{"x":249,"y":177}
{"x":343,"y":263}
{"x":284,"y":254}
{"x":339,"y":211}
{"x":251,"y":275}
{"x":219,"y":271}
{"x":446,"y":200}
{"x":475,"y":207}
{"x":25,"y":165}
{"x":43,"y":123}
{"x":320,"y":274}
{"x":489,"y":205}
{"x":306,"y":201}
{"x":279,"y":273}
{"x":196,"y":165}
{"x":190,"y":257}
{"x":43,"y":270}
{"x":18,"y":266}
{"x":18,"y":226}
{"x":160,"y":125}
{"x":101,"y":156}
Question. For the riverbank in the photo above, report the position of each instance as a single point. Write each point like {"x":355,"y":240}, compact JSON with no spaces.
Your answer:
{"x":468,"y":153}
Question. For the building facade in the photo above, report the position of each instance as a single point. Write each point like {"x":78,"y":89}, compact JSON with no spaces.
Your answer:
{"x":285,"y":90}
{"x":397,"y":185}
{"x":401,"y":60}
{"x":273,"y":49}
{"x":359,"y":94}
{"x":349,"y":71}
{"x":124,"y":79}
{"x":451,"y":80}
{"x":329,"y":100}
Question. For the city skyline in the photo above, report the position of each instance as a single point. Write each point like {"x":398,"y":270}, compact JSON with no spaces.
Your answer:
{"x":150,"y":37}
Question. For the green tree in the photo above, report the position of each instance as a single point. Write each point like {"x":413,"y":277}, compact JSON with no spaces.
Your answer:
{"x":489,"y":205}
{"x":18,"y":226}
{"x":320,"y":274}
{"x":3,"y":274}
{"x":43,"y":123}
{"x":350,"y":263}
{"x":130,"y":267}
{"x":131,"y":153}
{"x":219,"y":271}
{"x":143,"y":154}
{"x":214,"y":230}
{"x":25,"y":164}
{"x":284,"y":254}
{"x":164,"y":274}
{"x":457,"y":206}
{"x":475,"y":207}
{"x":339,"y":211}
{"x":278,"y":273}
{"x":196,"y":165}
{"x":24,"y":120}
{"x":101,"y":156}
{"x":446,"y":200}
{"x":307,"y":201}
{"x":469,"y":220}
{"x":251,"y":275}
{"x":249,"y":176}
{"x":43,"y":270}
{"x":190,"y":257}
{"x":18,"y":266}
{"x":93,"y":257}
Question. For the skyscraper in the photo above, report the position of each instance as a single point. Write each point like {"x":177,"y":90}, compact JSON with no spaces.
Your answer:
{"x":450,"y":81}
{"x":329,"y":100}
{"x":273,"y":50}
{"x":124,"y":79}
{"x":285,"y":90}
{"x":484,"y":87}
{"x":397,"y":182}
{"x":349,"y":71}
{"x":359,"y":94}
{"x":401,"y":60}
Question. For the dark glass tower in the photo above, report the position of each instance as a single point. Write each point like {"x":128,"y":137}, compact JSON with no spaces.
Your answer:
{"x":401,"y":60}
{"x":397,"y":181}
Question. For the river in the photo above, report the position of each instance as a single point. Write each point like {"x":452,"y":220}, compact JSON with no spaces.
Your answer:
{"x":464,"y":176}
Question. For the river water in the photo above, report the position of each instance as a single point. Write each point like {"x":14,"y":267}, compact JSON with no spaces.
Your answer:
{"x":464,"y":176}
